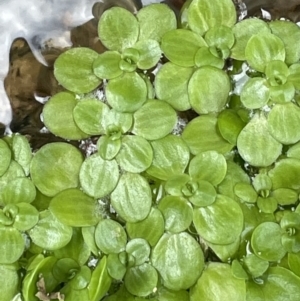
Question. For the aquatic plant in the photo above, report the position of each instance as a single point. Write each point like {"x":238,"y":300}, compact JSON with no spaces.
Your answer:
{"x":186,"y":182}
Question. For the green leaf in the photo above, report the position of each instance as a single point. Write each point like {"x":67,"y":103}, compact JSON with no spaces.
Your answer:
{"x":205,"y":194}
{"x":26,"y":218}
{"x":170,"y":157}
{"x":56,"y":167}
{"x":141,"y":280}
{"x":63,"y":268}
{"x":187,"y":260}
{"x":132,"y":198}
{"x":255,"y":265}
{"x":237,"y":270}
{"x":135,"y":155}
{"x":116,"y":269}
{"x":294,"y":151}
{"x":49,"y":233}
{"x":73,"y":67}
{"x":165,"y":294}
{"x":149,"y":53}
{"x":150,"y":229}
{"x":221,"y":222}
{"x":171,"y":85}
{"x":286,"y":174}
{"x":74,"y":208}
{"x":208,"y":90}
{"x":58,"y":116}
{"x":106,"y":65}
{"x":264,"y":247}
{"x":17,"y":191}
{"x":205,"y":14}
{"x":21,"y":152}
{"x":201,"y":134}
{"x":255,"y":93}
{"x":118,"y":29}
{"x":283,"y":93}
{"x":263,"y":48}
{"x":294,"y":263}
{"x":98,"y":177}
{"x":256,"y":145}
{"x":243,"y":31}
{"x":288,"y":32}
{"x":110,"y":237}
{"x":126,"y":93}
{"x":109,"y":146}
{"x":283,"y":121}
{"x":220,"y":37}
{"x":100,"y":281}
{"x":139,"y":249}
{"x":12,"y":245}
{"x":230,"y":125}
{"x":285,"y":196}
{"x":116,"y":123}
{"x":205,"y":57}
{"x":267,"y":205}
{"x":10,"y":281}
{"x":165,"y":20}
{"x":88,"y":234}
{"x":180,"y":46}
{"x":88,"y":115}
{"x":277,"y":73}
{"x":225,"y":252}
{"x":209,"y":166}
{"x":217,"y":284}
{"x":245,"y":192}
{"x":262,"y":183}
{"x":294,"y":75}
{"x":177,"y":212}
{"x":154,"y":120}
{"x":14,"y":171}
{"x":5,"y":154}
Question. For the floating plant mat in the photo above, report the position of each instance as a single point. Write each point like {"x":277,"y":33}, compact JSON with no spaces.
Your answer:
{"x":177,"y":171}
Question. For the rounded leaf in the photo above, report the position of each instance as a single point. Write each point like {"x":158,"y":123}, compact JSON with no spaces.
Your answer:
{"x":98,"y":177}
{"x":220,"y":36}
{"x":74,"y":208}
{"x":118,"y":29}
{"x":221,"y":222}
{"x":179,"y":260}
{"x":139,"y":249}
{"x":264,"y":247}
{"x":26,"y":218}
{"x":255,"y":265}
{"x":126,"y":93}
{"x":135,"y":155}
{"x":283,"y":123}
{"x":208,"y":90}
{"x":5,"y":154}
{"x":10,"y":280}
{"x":256,"y":145}
{"x":132,"y":198}
{"x":55,"y":167}
{"x":154,"y":120}
{"x":49,"y":233}
{"x":73,"y":67}
{"x":110,"y":237}
{"x":108,"y":146}
{"x":263,"y":48}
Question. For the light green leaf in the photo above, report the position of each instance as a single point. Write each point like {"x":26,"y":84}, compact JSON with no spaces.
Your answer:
{"x":205,"y":57}
{"x":294,"y":263}
{"x":267,"y":205}
{"x":171,"y":85}
{"x":132,"y":198}
{"x":262,"y":183}
{"x":135,"y":155}
{"x":277,"y":73}
{"x":243,"y":31}
{"x":294,"y":151}
{"x":245,"y":192}
{"x":26,"y":218}
{"x":116,"y":123}
{"x":283,"y":122}
{"x":205,"y":194}
{"x":294,"y":75}
{"x":74,"y":208}
{"x":186,"y":264}
{"x":88,"y":115}
{"x":165,"y":294}
{"x":110,"y":237}
{"x":6,"y":155}
{"x":73,"y":67}
{"x":141,"y":280}
{"x":55,"y":167}
{"x":237,"y":270}
{"x":221,"y":222}
{"x":170,"y":157}
{"x":255,"y":93}
{"x":98,"y":177}
{"x":154,"y":120}
{"x":256,"y":145}
{"x":225,"y":252}
{"x":255,"y":265}
{"x":285,"y":196}
{"x":205,"y":14}
{"x":88,"y":234}
{"x":165,"y":20}
{"x":118,"y":29}
{"x":264,"y":247}
{"x":116,"y":269}
{"x":177,"y":212}
{"x":180,"y":46}
{"x":49,"y":233}
{"x":109,"y":146}
{"x":58,"y":116}
{"x":220,"y":37}
{"x":21,"y":152}
{"x":139,"y":249}
{"x":106,"y":65}
{"x":208,"y":90}
{"x":218,"y":284}
{"x":209,"y":166}
{"x":126,"y":93}
{"x":151,"y":228}
{"x":263,"y":48}
{"x":201,"y":134}
{"x":283,"y":93}
{"x":14,"y":171}
{"x":10,"y":281}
